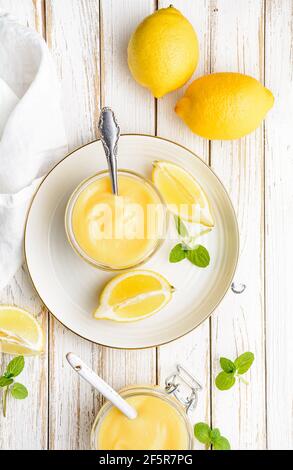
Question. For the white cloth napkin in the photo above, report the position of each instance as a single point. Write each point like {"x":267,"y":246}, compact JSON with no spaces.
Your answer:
{"x":32,"y":134}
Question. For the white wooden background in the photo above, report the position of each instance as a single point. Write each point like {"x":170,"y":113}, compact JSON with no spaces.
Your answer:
{"x":88,"y":40}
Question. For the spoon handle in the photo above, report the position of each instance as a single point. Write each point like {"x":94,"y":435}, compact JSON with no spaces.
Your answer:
{"x":109,"y":135}
{"x":99,"y":384}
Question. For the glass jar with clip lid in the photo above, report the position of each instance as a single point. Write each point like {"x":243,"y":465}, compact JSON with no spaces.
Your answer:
{"x":162,"y":421}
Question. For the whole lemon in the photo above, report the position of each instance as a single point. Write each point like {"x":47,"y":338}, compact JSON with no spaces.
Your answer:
{"x":224,"y":105}
{"x":163,"y":51}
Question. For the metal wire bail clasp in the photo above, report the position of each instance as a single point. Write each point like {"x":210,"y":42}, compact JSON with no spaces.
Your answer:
{"x":184,"y":387}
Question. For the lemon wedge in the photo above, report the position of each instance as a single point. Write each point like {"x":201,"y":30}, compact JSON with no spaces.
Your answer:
{"x":182,"y":193}
{"x":20,"y":333}
{"x":133,"y":296}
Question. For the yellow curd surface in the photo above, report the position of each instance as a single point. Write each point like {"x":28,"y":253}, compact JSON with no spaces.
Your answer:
{"x":158,"y":426}
{"x":117,"y":231}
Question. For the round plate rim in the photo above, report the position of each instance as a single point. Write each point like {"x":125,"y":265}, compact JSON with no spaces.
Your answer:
{"x":228,"y":283}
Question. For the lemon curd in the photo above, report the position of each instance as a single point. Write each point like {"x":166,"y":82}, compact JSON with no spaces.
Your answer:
{"x":159,"y":426}
{"x":116,"y":232}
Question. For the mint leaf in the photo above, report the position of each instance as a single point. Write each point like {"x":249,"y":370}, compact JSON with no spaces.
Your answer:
{"x":181,"y":227}
{"x":19,"y":391}
{"x":244,"y":362}
{"x":214,"y":435}
{"x":5,"y":381}
{"x":199,"y":256}
{"x":207,"y":436}
{"x":224,"y":381}
{"x":177,"y":254}
{"x":221,"y":444}
{"x":15,"y":367}
{"x":227,"y":365}
{"x":202,"y":433}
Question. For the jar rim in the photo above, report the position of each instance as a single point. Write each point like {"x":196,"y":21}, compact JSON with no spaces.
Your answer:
{"x":136,"y":390}
{"x":70,"y":233}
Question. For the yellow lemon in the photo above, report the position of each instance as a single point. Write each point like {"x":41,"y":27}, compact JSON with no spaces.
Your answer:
{"x":133,"y":296}
{"x":163,"y":51}
{"x":20,"y":333}
{"x":182,"y":193}
{"x":224,"y":105}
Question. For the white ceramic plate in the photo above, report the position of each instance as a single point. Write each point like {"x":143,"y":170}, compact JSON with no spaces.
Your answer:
{"x":69,"y":287}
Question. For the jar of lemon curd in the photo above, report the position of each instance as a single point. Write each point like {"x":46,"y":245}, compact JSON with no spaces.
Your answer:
{"x":162,"y":421}
{"x":116,"y":232}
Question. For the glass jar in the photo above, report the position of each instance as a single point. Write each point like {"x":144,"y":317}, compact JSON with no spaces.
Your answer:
{"x":155,"y":242}
{"x":180,"y":393}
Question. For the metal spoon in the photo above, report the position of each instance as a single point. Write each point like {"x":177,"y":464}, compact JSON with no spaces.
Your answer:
{"x":109,"y":134}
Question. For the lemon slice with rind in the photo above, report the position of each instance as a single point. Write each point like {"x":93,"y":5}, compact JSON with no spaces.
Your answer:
{"x":20,"y":333}
{"x":182,"y":193}
{"x":133,"y":296}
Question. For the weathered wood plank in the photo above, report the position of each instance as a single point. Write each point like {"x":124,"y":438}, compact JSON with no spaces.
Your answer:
{"x":72,"y":30}
{"x":30,"y":414}
{"x":134,"y":108}
{"x":279,"y":229}
{"x":192,"y":351}
{"x":237,"y":45}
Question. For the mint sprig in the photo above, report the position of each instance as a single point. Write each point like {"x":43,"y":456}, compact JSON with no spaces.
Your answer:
{"x":208,"y":436}
{"x":232,"y":370}
{"x":197,"y":255}
{"x":16,"y":389}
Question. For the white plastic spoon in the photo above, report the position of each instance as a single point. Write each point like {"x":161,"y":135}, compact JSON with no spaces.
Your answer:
{"x":99,"y":384}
